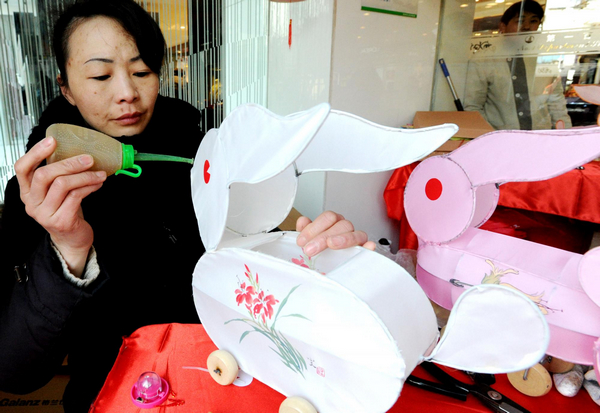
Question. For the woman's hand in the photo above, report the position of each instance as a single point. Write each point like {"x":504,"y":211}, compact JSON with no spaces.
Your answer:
{"x":329,"y":230}
{"x":52,"y":196}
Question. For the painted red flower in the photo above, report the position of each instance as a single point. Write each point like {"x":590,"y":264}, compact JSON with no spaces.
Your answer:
{"x":263,"y":306}
{"x":244,"y":294}
{"x":300,"y":262}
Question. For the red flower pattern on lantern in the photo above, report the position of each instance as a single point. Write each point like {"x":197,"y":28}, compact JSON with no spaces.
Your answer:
{"x":260,"y":308}
{"x":258,"y":304}
{"x":300,"y":262}
{"x":263,"y":306}
{"x":306,"y":262}
{"x":244,"y":294}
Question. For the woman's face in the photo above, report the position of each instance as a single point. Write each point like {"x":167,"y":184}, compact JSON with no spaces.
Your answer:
{"x":108,"y":82}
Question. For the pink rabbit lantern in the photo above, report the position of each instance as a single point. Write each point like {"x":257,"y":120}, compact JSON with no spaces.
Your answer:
{"x":448,"y":197}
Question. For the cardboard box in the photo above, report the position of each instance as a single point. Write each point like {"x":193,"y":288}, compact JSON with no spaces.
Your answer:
{"x":48,"y":399}
{"x":470,"y":125}
{"x":289,"y":224}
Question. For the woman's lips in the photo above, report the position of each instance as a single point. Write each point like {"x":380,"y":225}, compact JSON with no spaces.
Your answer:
{"x":129,"y":119}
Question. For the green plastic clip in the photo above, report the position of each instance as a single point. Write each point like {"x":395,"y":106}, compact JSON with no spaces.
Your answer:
{"x":128,"y":162}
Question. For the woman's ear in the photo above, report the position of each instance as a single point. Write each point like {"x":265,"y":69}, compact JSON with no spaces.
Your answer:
{"x":501,"y":27}
{"x":64,"y":89}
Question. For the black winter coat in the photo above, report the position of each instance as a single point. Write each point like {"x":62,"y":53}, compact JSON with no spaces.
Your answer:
{"x":147,"y":243}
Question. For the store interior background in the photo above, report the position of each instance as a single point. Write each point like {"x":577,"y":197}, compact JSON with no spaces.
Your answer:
{"x":223,"y":53}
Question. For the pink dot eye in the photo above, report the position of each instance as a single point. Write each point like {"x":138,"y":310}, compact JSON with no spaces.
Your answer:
{"x":433,"y":189}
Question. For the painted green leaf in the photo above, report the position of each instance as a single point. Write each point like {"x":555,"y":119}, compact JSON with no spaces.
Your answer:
{"x":245,"y":334}
{"x":283,"y":303}
{"x":296,"y":315}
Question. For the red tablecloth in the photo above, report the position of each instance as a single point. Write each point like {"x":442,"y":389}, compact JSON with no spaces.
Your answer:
{"x":574,"y":195}
{"x":167,"y":348}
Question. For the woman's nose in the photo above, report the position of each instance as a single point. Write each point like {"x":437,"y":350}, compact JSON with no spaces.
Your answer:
{"x":126,"y":90}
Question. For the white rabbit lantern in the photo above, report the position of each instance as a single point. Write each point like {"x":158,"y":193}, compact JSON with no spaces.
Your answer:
{"x":448,"y":197}
{"x":344,"y":329}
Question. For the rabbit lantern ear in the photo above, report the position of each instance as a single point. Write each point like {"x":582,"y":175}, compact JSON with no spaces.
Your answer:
{"x":251,"y":146}
{"x":364,"y":146}
{"x":445,"y":195}
{"x":493,"y":329}
{"x":588,"y":93}
{"x":525,"y":156}
{"x":255,"y":157}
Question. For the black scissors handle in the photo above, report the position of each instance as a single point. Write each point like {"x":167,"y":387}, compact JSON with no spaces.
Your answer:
{"x":493,"y":399}
{"x":449,"y":390}
{"x":483,"y":378}
{"x":444,"y":377}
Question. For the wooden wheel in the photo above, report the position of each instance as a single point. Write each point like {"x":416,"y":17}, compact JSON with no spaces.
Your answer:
{"x":536,"y":382}
{"x":296,"y":405}
{"x":222,"y":367}
{"x":554,"y":365}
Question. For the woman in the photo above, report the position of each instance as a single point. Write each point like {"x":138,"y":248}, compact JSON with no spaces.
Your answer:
{"x":99,"y":257}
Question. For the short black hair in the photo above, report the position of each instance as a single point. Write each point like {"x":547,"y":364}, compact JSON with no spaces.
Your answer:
{"x":530,"y":6}
{"x":132,"y":17}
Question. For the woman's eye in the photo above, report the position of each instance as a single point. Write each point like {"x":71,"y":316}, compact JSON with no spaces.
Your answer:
{"x":101,"y":78}
{"x":141,"y":74}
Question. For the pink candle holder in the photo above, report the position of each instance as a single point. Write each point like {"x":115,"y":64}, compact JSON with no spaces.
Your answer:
{"x":149,"y":391}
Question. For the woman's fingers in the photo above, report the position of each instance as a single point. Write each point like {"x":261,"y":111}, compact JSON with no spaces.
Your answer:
{"x":329,"y":230}
{"x":347,"y":240}
{"x":52,"y":194}
{"x":69,"y":207}
{"x":301,"y":223}
{"x":310,"y":230}
{"x":27,"y":164}
{"x":370,"y":245}
{"x":60,"y":176}
{"x":66,"y":191}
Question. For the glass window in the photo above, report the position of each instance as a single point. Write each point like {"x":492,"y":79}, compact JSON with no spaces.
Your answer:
{"x":517,"y":61}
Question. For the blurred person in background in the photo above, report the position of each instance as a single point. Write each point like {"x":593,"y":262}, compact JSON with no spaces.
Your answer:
{"x":506,"y":91}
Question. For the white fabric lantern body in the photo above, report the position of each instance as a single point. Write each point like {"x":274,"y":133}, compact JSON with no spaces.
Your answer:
{"x":327,"y":331}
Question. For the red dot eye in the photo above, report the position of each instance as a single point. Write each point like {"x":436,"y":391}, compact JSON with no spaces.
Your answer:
{"x":206,"y":173}
{"x":433,"y":189}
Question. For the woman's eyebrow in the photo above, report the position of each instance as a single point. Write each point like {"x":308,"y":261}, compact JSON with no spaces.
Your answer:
{"x":104,"y":60}
{"x":99,"y":59}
